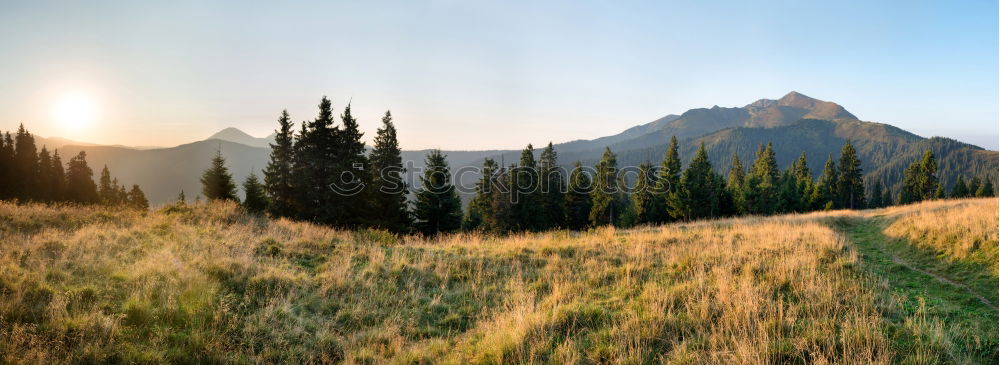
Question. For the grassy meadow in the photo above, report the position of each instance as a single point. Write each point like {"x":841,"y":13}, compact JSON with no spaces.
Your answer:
{"x":209,"y":284}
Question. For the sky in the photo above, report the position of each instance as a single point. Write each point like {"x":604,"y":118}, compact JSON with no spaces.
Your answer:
{"x":486,"y":74}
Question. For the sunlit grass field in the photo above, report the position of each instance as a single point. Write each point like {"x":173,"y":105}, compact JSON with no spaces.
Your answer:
{"x":210,"y":284}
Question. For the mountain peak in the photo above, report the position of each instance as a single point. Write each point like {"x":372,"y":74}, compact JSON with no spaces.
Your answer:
{"x":818,"y":109}
{"x":231,"y":132}
{"x":236,"y":135}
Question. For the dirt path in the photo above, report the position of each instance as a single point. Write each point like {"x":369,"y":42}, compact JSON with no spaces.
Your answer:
{"x":945,"y":280}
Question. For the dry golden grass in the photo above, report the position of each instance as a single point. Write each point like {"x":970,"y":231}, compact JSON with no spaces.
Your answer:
{"x":958,"y":230}
{"x":207,"y":283}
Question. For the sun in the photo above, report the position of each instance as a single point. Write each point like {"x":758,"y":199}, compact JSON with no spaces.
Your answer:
{"x":74,"y":111}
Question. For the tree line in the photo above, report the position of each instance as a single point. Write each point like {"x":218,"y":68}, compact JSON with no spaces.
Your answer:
{"x":322,"y":173}
{"x":31,"y":175}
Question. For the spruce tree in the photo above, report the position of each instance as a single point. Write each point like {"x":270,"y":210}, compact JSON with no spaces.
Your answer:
{"x":697,"y":196}
{"x":761,"y":184}
{"x":959,"y":190}
{"x":106,"y":192}
{"x":217,"y":182}
{"x":642,"y":195}
{"x":25,"y":180}
{"x":824,"y":191}
{"x":578,"y":203}
{"x":985,"y":190}
{"x":278,"y":178}
{"x":80,"y":186}
{"x":317,"y":163}
{"x":877,"y":193}
{"x":734,"y":185}
{"x":551,"y":183}
{"x":920,"y":180}
{"x":181,"y":198}
{"x":388,"y":188}
{"x":973,"y":186}
{"x":254,"y":198}
{"x":438,"y":208}
{"x":887,"y":200}
{"x":605,"y":197}
{"x":57,"y":178}
{"x":850,"y":186}
{"x":527,"y":207}
{"x":7,"y":168}
{"x":353,"y":173}
{"x":667,"y":180}
{"x":45,"y":177}
{"x":137,"y":199}
{"x":481,"y":214}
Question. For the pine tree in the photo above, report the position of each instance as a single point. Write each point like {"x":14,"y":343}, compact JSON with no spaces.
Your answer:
{"x":438,"y":208}
{"x":985,"y":190}
{"x":734,"y":185}
{"x":605,"y":197}
{"x":875,"y":199}
{"x":57,"y":178}
{"x":137,"y":199}
{"x":106,"y":192}
{"x":7,"y":168}
{"x":551,"y":182}
{"x":578,"y":203}
{"x":217,"y":182}
{"x":254,"y":199}
{"x":353,"y":163}
{"x":761,"y":184}
{"x":850,"y":186}
{"x":80,"y":187}
{"x":668,"y":178}
{"x":697,"y":196}
{"x":388,"y":188}
{"x":181,"y":198}
{"x":824,"y":191}
{"x":642,"y":194}
{"x":959,"y":190}
{"x":25,"y":165}
{"x":278,"y":174}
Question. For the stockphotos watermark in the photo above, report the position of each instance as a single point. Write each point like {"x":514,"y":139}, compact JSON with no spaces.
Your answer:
{"x":508,"y":181}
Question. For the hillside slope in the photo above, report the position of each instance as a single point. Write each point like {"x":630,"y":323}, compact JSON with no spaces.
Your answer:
{"x":207,"y":283}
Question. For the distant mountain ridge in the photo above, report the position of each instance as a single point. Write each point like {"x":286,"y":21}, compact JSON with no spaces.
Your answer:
{"x":794,"y":123}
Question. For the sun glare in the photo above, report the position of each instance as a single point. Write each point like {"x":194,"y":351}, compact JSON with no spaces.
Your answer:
{"x":74,"y":111}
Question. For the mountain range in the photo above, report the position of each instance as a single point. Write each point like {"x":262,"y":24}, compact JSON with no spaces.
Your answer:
{"x":794,"y":123}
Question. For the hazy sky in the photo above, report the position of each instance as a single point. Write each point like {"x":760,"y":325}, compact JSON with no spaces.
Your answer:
{"x":478,"y":74}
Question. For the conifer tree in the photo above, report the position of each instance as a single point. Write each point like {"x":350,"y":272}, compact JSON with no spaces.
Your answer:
{"x":137,"y":199}
{"x":80,"y":186}
{"x":388,"y":188}
{"x":985,"y":190}
{"x":642,"y":195}
{"x":804,"y":183}
{"x":920,"y":180}
{"x":7,"y":169}
{"x":25,"y":165}
{"x":959,"y":190}
{"x":106,"y":192}
{"x":789,"y":197}
{"x":551,"y":182}
{"x":316,"y":164}
{"x":668,"y":178}
{"x":45,"y":177}
{"x":217,"y":182}
{"x":734,"y":185}
{"x":437,"y":208}
{"x":278,"y":174}
{"x":875,"y":199}
{"x":824,"y":191}
{"x":578,"y":203}
{"x":887,"y":200}
{"x":605,"y":197}
{"x":480,"y":210}
{"x":254,"y":199}
{"x":57,"y":178}
{"x":761,"y":184}
{"x":850,"y":186}
{"x":527,"y":208}
{"x":181,"y":198}
{"x":973,"y":187}
{"x":697,"y":195}
{"x":353,"y":165}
